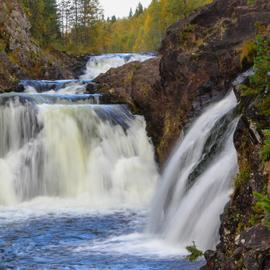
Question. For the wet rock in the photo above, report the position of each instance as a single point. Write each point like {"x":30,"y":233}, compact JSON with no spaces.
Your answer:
{"x":256,"y":238}
{"x":92,"y":88}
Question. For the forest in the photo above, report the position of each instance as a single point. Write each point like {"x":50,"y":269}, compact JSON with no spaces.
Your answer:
{"x":79,"y":26}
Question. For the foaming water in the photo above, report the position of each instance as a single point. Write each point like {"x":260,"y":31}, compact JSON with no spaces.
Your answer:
{"x":196,"y":183}
{"x":102,"y":63}
{"x":77,"y":177}
{"x":96,"y":65}
{"x":77,"y":239}
{"x":98,"y":151}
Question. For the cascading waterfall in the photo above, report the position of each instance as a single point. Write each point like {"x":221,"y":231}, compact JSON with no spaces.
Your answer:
{"x":101,"y":151}
{"x":95,"y":66}
{"x":58,"y":143}
{"x":101,"y":64}
{"x":197,"y":181}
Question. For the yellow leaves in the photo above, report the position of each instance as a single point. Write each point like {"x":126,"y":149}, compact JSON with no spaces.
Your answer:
{"x":143,"y":32}
{"x":248,"y":50}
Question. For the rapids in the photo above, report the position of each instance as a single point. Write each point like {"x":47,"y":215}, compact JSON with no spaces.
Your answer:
{"x":77,"y":178}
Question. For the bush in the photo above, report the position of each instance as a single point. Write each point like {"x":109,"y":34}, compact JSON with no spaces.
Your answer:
{"x":195,"y":253}
{"x":265,"y":151}
{"x":264,"y":203}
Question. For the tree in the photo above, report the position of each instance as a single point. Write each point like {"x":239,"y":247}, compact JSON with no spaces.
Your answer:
{"x":113,"y":19}
{"x":130,"y":13}
{"x":43,"y":15}
{"x":139,"y":9}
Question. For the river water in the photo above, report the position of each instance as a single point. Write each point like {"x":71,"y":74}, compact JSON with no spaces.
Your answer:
{"x":76,"y":180}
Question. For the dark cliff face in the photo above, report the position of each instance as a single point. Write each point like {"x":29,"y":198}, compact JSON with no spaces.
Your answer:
{"x":202,"y":54}
{"x":20,"y":56}
{"x":199,"y":58}
{"x":244,"y":240}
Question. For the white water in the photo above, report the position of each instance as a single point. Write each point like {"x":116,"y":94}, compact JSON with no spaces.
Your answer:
{"x":102,"y":63}
{"x":99,"y":152}
{"x":95,"y":66}
{"x":187,"y":207}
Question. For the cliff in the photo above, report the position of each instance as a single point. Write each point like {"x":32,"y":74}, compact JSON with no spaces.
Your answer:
{"x":245,"y":230}
{"x":20,"y":55}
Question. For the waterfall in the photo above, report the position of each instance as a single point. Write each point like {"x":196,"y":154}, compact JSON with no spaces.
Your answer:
{"x":96,"y":65}
{"x":197,"y":180}
{"x":102,"y":63}
{"x":100,"y":151}
{"x":57,"y":141}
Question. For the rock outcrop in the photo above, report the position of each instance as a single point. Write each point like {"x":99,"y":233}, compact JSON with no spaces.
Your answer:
{"x":199,"y":58}
{"x":20,"y":56}
{"x":137,"y":84}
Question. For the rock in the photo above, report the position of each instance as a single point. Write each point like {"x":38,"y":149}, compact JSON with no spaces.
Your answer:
{"x":91,"y":88}
{"x":256,"y":238}
{"x":200,"y":56}
{"x":20,"y":57}
{"x":137,"y":85}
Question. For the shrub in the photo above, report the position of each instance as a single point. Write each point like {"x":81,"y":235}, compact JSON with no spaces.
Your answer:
{"x":195,"y":253}
{"x":265,"y":151}
{"x":264,"y":203}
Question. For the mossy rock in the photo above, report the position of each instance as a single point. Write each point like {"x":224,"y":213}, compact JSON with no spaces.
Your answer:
{"x":4,"y":12}
{"x":2,"y":45}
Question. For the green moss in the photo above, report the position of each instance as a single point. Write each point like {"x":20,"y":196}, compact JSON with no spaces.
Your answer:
{"x":263,"y":202}
{"x":2,"y":45}
{"x":242,"y":177}
{"x":251,"y":2}
{"x":259,"y":83}
{"x":248,"y":51}
{"x":265,"y":151}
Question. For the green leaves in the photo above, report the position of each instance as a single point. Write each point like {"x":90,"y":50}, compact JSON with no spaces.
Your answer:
{"x":265,"y":151}
{"x":195,"y":253}
{"x":263,"y":202}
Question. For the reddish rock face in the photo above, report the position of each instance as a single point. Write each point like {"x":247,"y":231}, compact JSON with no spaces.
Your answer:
{"x":199,"y":58}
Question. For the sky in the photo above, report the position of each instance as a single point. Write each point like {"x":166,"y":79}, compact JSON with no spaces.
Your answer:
{"x":120,"y":8}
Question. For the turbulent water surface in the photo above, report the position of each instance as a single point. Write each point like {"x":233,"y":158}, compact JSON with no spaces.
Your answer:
{"x":76,"y":180}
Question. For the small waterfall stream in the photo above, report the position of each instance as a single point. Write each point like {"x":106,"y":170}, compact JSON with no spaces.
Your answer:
{"x":196,"y":183}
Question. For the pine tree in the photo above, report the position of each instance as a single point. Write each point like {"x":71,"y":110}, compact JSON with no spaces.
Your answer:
{"x":130,"y":13}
